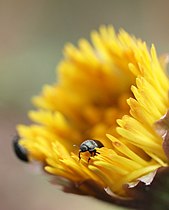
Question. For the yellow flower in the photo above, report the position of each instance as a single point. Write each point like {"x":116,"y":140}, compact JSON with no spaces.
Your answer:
{"x":113,"y":90}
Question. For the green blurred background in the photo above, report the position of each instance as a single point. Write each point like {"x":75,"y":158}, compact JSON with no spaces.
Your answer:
{"x":32,"y":36}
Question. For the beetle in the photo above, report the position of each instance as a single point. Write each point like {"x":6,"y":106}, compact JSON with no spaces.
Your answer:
{"x":90,"y":145}
{"x":20,"y":151}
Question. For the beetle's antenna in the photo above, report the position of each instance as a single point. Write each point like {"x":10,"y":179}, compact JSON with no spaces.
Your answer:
{"x":74,"y":145}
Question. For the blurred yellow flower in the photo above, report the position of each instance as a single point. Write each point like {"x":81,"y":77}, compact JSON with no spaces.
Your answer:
{"x":113,"y":90}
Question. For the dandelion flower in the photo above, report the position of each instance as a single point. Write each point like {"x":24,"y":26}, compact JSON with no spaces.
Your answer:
{"x":113,"y":90}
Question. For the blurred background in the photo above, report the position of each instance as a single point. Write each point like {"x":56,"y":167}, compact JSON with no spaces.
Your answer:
{"x":32,"y":36}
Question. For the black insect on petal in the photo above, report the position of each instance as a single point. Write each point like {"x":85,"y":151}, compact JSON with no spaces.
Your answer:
{"x":20,"y":151}
{"x":90,"y":146}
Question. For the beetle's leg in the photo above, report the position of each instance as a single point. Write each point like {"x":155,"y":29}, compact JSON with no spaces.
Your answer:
{"x":79,"y":155}
{"x":94,"y":152}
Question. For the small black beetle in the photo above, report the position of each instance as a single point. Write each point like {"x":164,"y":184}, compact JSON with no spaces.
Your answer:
{"x":90,"y":146}
{"x":20,"y":151}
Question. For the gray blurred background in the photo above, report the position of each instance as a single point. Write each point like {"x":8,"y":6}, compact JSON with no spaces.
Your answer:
{"x":32,"y":36}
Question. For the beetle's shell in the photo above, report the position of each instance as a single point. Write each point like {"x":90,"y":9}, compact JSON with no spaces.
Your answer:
{"x":91,"y":145}
{"x":20,"y":151}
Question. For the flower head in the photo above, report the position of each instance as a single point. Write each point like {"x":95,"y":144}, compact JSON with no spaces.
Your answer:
{"x":114,"y":90}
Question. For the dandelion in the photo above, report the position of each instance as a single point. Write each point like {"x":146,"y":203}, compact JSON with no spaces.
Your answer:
{"x":113,"y":90}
